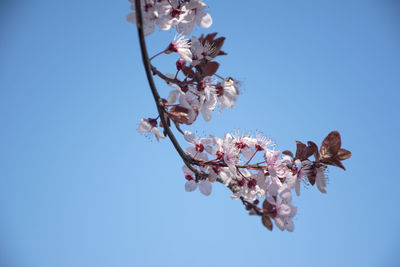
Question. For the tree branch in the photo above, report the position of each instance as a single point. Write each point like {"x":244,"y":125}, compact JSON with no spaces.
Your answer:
{"x":147,"y":66}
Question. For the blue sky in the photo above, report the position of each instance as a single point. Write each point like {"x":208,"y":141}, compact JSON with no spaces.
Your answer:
{"x":80,"y":187}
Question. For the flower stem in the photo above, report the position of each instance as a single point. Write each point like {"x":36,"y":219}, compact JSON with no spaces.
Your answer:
{"x":156,"y":55}
{"x":251,"y":157}
{"x":222,"y":78}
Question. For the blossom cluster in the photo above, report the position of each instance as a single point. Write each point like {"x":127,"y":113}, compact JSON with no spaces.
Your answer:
{"x":204,"y":98}
{"x":262,"y":177}
{"x":197,"y":91}
{"x":228,"y":161}
{"x":172,"y":13}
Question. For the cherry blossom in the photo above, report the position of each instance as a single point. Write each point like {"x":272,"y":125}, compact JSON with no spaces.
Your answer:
{"x":150,"y":125}
{"x":197,"y":150}
{"x":173,"y":13}
{"x":181,"y":46}
{"x":201,"y":51}
{"x":196,"y":15}
{"x":204,"y":186}
{"x":320,"y":180}
{"x":150,"y":13}
{"x":250,"y":167}
{"x":170,"y":13}
{"x":227,"y":93}
{"x":303,"y":170}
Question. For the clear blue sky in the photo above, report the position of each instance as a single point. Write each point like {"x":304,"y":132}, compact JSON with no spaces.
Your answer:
{"x":79,"y":187}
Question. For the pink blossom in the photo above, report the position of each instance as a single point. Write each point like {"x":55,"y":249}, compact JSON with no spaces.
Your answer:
{"x":181,"y":46}
{"x":150,"y":125}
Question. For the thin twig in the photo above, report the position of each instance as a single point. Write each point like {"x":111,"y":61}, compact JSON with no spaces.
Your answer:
{"x":167,"y":79}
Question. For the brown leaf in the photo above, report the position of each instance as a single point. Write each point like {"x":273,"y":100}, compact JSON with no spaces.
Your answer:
{"x":266,"y":221}
{"x":209,"y":37}
{"x":343,"y":154}
{"x":311,"y":179}
{"x":210,"y":68}
{"x":188,"y":71}
{"x":331,"y":145}
{"x":300,"y":151}
{"x":308,"y":152}
{"x":303,"y":152}
{"x":215,"y":43}
{"x":268,"y":207}
{"x":312,"y":175}
{"x":312,"y":147}
{"x":179,"y":114}
{"x":334,"y":162}
{"x":330,"y":151}
{"x":252,"y":212}
{"x":222,"y":53}
{"x":287,"y":152}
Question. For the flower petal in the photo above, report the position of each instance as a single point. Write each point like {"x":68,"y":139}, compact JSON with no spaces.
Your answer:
{"x":204,"y":20}
{"x":190,"y":137}
{"x":144,"y":126}
{"x":157,"y":133}
{"x":185,"y":28}
{"x":190,"y":186}
{"x":284,"y":210}
{"x":131,"y":17}
{"x":321,"y":181}
{"x":279,"y":223}
{"x":289,"y":225}
{"x":205,"y":187}
{"x":185,"y":54}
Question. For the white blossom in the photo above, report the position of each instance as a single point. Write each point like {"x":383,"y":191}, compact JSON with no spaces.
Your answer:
{"x":149,"y":15}
{"x":195,"y":14}
{"x":227,"y":94}
{"x":181,"y":46}
{"x":148,"y":126}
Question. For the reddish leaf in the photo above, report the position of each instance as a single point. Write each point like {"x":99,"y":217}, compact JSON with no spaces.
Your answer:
{"x":311,"y":179}
{"x":268,"y":207}
{"x":266,"y":221}
{"x":312,"y":147}
{"x":188,"y":71}
{"x":331,"y":145}
{"x":308,"y":152}
{"x":215,"y":43}
{"x":287,"y":152}
{"x":300,"y":151}
{"x":343,"y":154}
{"x":210,"y":68}
{"x":312,"y":176}
{"x":209,"y":37}
{"x":303,"y":152}
{"x":252,"y":212}
{"x":334,"y":162}
{"x":222,"y":53}
{"x":331,"y":153}
{"x":179,"y":114}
